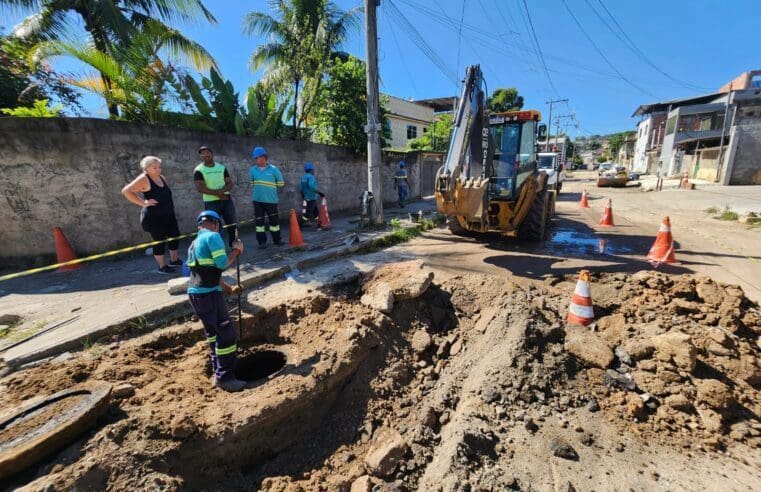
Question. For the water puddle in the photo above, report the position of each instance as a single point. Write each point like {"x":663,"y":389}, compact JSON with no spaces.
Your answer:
{"x":565,"y":241}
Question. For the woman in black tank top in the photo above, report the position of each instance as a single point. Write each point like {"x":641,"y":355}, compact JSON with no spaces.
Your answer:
{"x":157,"y":210}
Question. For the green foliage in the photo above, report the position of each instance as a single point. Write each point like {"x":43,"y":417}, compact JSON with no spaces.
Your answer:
{"x":395,"y":223}
{"x":505,"y":99}
{"x":342,"y":112}
{"x":302,"y":38}
{"x":577,"y":160}
{"x":22,"y":83}
{"x":728,"y":215}
{"x":136,"y":79}
{"x":39,"y":109}
{"x":216,"y":107}
{"x":603,"y":158}
{"x":438,"y":135}
{"x":617,"y":139}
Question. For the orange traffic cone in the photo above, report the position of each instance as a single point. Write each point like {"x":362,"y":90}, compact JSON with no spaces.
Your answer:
{"x":607,"y":215}
{"x":63,"y":251}
{"x":580,"y":311}
{"x":323,"y":221}
{"x":294,"y":232}
{"x":584,"y":203}
{"x":663,"y":248}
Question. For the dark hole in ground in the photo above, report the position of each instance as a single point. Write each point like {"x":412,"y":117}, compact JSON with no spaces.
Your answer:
{"x":259,"y":365}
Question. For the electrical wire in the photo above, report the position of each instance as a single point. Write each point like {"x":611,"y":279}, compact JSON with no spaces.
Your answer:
{"x":539,"y":49}
{"x":459,"y":38}
{"x":404,"y":64}
{"x":635,"y":49}
{"x":602,"y":55}
{"x":419,"y":41}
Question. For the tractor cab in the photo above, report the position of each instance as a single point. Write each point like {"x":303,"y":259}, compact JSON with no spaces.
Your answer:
{"x":514,"y":135}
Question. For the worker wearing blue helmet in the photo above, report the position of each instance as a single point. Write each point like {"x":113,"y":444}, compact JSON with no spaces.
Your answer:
{"x":309,"y":193}
{"x":207,"y":260}
{"x":401,"y":183}
{"x":266,"y":186}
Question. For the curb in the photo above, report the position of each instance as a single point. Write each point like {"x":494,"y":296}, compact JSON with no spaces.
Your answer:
{"x":180,"y":307}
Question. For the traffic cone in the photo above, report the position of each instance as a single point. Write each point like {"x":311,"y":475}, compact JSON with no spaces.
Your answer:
{"x":580,"y":311}
{"x":323,"y":220}
{"x":584,"y":203}
{"x":607,"y":215}
{"x":63,"y":251}
{"x":662,"y":250}
{"x":294,"y":232}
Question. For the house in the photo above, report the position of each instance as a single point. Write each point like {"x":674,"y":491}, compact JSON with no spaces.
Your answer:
{"x":407,"y":120}
{"x":651,"y":131}
{"x":716,"y":137}
{"x":625,"y":154}
{"x":746,"y":80}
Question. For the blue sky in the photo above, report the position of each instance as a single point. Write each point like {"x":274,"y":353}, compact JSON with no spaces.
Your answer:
{"x":702,"y":43}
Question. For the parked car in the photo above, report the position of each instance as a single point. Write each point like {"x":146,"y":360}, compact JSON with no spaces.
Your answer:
{"x":549,"y":162}
{"x":604,"y":167}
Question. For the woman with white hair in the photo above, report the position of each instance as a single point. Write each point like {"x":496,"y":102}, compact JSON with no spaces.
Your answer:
{"x":157,"y":215}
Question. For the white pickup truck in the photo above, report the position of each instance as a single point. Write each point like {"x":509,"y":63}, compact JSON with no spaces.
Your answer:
{"x":549,"y":162}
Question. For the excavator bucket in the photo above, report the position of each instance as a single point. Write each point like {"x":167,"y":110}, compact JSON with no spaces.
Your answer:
{"x":466,"y":199}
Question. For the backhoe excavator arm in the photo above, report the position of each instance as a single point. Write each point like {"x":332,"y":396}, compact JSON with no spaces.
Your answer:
{"x":462,"y":182}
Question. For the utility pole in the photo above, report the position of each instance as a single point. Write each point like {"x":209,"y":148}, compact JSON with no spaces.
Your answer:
{"x":557,"y":125}
{"x":549,"y":119}
{"x":374,"y":126}
{"x":723,"y":131}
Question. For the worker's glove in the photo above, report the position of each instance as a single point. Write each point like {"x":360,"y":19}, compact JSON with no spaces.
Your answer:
{"x":238,"y":244}
{"x":236,"y":289}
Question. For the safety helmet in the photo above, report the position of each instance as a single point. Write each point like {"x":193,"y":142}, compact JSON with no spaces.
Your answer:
{"x":402,"y":164}
{"x":308,"y":167}
{"x":258,"y":152}
{"x":208,"y":214}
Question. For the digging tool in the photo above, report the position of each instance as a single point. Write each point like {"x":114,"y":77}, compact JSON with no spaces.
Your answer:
{"x":240,"y":292}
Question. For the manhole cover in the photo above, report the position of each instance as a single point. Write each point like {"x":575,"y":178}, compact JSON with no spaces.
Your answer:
{"x":259,"y":365}
{"x":45,"y":425}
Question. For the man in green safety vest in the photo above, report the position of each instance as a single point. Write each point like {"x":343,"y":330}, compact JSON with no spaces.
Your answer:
{"x":266,"y":185}
{"x":213,"y":181}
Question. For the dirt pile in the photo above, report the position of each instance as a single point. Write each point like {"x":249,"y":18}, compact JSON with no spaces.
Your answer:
{"x":680,"y":356}
{"x":473,"y":383}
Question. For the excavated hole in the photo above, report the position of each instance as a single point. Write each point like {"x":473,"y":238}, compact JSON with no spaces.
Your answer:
{"x":259,"y":365}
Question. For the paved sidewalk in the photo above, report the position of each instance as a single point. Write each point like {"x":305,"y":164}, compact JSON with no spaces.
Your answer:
{"x":106,"y":295}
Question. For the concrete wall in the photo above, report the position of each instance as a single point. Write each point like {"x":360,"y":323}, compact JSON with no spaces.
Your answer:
{"x":744,"y":166}
{"x":69,"y":173}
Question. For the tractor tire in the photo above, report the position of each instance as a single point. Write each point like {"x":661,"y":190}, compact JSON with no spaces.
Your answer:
{"x":455,"y":227}
{"x":534,"y":225}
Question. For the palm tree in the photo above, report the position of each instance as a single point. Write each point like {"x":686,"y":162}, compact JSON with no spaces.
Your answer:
{"x":138,"y":75}
{"x":110,"y":23}
{"x":300,"y":42}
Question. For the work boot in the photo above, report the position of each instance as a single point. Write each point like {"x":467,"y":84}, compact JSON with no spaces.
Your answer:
{"x":231,"y":385}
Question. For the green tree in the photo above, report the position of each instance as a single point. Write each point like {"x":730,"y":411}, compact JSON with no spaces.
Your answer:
{"x":136,"y":78}
{"x":301,"y":40}
{"x":505,"y":99}
{"x":343,"y":108}
{"x":110,"y":24}
{"x":22,"y":82}
{"x":39,"y":109}
{"x":438,"y":135}
{"x":617,"y":139}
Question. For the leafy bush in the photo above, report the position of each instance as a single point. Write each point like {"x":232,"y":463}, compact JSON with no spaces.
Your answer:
{"x":39,"y":109}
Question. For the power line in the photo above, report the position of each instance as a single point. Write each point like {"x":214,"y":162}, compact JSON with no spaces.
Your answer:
{"x":404,"y":64}
{"x":602,"y":55}
{"x":634,"y":48}
{"x":420,"y":42}
{"x":539,"y":49}
{"x":459,"y":38}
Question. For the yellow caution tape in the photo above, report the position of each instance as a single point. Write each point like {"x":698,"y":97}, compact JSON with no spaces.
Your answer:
{"x":106,"y":254}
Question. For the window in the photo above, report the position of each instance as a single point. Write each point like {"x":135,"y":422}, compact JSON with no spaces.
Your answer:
{"x":425,"y":130}
{"x":670,"y":125}
{"x":411,"y":132}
